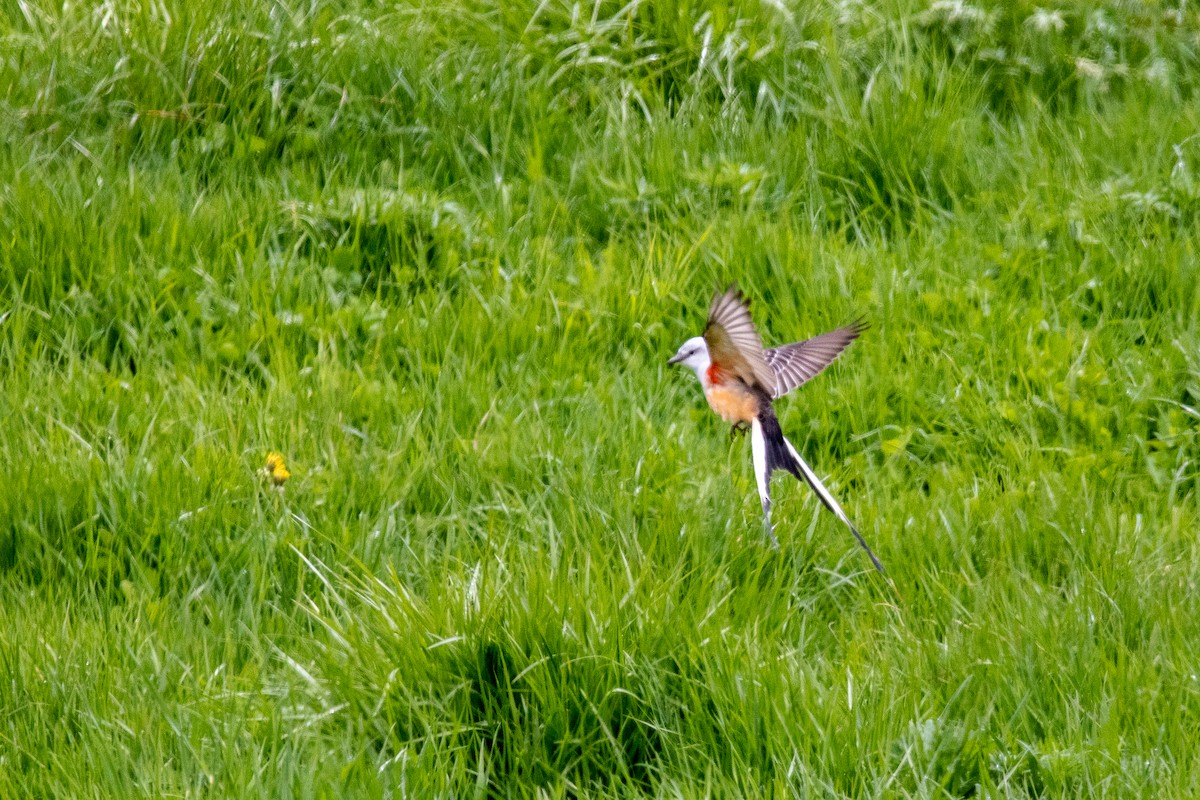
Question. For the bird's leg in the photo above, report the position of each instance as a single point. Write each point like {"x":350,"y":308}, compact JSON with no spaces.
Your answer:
{"x":739,"y":427}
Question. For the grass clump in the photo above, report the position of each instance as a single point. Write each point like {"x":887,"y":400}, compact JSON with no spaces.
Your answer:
{"x":436,"y":256}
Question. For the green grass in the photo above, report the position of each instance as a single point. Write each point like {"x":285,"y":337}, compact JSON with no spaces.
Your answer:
{"x":437,"y":255}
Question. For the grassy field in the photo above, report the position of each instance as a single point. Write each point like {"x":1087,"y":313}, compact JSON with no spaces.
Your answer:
{"x":437,"y":254}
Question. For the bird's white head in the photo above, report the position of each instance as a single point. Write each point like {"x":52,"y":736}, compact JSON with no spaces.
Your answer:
{"x":693,"y":354}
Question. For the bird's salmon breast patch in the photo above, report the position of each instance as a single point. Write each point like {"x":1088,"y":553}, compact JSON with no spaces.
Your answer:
{"x":733,"y":402}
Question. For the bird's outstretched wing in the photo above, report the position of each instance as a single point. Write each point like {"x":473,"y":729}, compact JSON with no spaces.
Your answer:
{"x":799,"y":362}
{"x":733,"y":342}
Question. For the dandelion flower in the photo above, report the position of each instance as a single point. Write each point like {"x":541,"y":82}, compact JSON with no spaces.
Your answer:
{"x":276,"y":470}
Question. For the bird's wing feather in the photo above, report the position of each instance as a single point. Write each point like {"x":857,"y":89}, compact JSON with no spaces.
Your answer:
{"x":733,"y":342}
{"x":799,"y":362}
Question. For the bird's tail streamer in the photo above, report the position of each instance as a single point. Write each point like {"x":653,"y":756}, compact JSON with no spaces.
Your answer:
{"x":780,"y":454}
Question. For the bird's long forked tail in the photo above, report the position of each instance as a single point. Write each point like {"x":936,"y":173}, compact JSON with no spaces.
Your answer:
{"x":773,"y":451}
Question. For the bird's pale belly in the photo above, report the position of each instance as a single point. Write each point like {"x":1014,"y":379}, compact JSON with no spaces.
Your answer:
{"x":732,"y":403}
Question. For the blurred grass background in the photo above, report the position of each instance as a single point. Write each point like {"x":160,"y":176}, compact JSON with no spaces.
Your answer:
{"x":437,"y":254}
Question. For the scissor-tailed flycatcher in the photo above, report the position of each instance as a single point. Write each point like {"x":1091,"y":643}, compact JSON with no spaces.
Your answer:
{"x":741,"y":380}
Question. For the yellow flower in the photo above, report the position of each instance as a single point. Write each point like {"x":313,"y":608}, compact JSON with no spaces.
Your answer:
{"x":275,"y":469}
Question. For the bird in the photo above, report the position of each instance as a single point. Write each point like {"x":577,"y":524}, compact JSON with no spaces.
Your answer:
{"x":741,"y":381}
